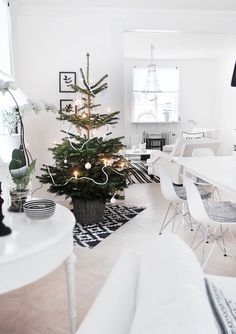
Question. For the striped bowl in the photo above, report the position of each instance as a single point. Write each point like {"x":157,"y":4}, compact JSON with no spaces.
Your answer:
{"x":38,"y":209}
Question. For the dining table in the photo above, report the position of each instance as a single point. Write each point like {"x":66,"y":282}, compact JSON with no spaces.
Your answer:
{"x":219,"y":171}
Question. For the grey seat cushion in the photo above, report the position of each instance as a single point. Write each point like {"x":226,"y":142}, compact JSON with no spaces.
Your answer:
{"x":205,"y":191}
{"x":224,"y":211}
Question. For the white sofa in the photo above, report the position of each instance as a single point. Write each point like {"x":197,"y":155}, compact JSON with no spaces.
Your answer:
{"x":161,"y":290}
{"x":207,"y":133}
{"x":182,"y":148}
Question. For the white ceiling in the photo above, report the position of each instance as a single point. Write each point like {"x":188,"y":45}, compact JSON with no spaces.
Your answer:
{"x":169,"y":45}
{"x":178,"y":45}
{"x":219,"y":5}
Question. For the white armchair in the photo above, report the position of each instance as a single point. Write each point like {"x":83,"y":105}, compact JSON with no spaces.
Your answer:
{"x":182,"y":148}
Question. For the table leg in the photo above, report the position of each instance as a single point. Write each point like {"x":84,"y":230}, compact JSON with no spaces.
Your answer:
{"x":71,"y":291}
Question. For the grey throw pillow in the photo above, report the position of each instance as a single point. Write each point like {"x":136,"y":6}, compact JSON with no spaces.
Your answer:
{"x":193,"y":135}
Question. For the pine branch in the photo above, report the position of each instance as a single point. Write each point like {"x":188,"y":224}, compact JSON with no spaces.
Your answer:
{"x":95,"y":106}
{"x":100,"y":89}
{"x":89,"y":91}
{"x":98,"y":83}
{"x":77,"y":88}
{"x":93,"y":122}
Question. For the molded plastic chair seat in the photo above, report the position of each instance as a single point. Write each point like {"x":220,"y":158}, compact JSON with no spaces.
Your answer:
{"x":205,"y":192}
{"x":223,"y":212}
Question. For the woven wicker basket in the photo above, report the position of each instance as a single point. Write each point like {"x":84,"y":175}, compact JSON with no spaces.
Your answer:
{"x":88,"y":212}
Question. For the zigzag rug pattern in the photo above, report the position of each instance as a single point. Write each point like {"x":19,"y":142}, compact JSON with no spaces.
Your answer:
{"x":114,"y":217}
{"x":140,"y":174}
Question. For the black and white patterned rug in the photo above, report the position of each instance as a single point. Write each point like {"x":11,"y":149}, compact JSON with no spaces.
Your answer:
{"x":140,"y":174}
{"x":114,"y":217}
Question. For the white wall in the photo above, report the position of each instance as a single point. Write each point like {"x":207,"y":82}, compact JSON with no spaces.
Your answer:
{"x":226,"y":115}
{"x":45,"y":45}
{"x":52,"y":39}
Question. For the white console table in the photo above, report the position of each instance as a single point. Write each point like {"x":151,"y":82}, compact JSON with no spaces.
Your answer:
{"x":36,"y":248}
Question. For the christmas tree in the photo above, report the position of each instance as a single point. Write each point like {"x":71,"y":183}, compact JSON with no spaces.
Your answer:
{"x":88,"y":168}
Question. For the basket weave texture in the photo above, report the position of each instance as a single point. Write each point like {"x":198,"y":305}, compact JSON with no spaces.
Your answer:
{"x":88,"y":212}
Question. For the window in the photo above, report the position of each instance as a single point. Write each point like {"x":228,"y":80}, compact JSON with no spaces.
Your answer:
{"x":152,"y":107}
{"x":5,"y":39}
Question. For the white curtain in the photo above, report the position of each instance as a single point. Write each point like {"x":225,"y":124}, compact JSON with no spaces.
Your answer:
{"x":6,"y":64}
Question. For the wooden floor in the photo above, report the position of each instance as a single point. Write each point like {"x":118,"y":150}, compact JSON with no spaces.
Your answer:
{"x":41,"y":308}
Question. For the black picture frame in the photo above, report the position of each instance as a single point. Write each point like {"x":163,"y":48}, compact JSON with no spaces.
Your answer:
{"x":65,"y":102}
{"x":65,"y":80}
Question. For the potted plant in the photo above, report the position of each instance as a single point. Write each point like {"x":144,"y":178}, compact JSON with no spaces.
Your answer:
{"x":89,"y":169}
{"x":20,"y":175}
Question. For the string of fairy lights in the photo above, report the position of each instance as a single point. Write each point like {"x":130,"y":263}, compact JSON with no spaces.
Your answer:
{"x":87,"y":166}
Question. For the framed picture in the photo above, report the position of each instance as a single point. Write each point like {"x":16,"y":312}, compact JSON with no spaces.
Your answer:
{"x":65,"y":104}
{"x":65,"y":80}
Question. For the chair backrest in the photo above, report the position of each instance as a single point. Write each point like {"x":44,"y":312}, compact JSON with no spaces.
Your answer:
{"x":202,"y":152}
{"x":192,"y":144}
{"x":167,"y":188}
{"x":195,"y":203}
{"x":178,"y":147}
{"x":184,"y":147}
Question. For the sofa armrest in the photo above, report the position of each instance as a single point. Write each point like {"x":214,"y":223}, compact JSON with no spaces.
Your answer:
{"x":113,"y":309}
{"x":172,"y":296}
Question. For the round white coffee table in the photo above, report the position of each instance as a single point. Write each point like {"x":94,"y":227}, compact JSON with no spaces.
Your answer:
{"x":36,"y":248}
{"x":129,"y":153}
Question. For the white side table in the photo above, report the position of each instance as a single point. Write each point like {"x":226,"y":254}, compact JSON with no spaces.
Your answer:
{"x":36,"y":248}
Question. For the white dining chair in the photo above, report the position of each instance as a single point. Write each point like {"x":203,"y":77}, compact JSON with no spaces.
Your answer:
{"x":206,"y":152}
{"x":211,"y":217}
{"x":177,"y":198}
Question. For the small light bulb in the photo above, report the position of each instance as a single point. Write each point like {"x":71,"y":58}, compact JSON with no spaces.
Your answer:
{"x":88,"y":165}
{"x":76,"y":174}
{"x":65,"y":161}
{"x":84,"y":115}
{"x":108,"y":110}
